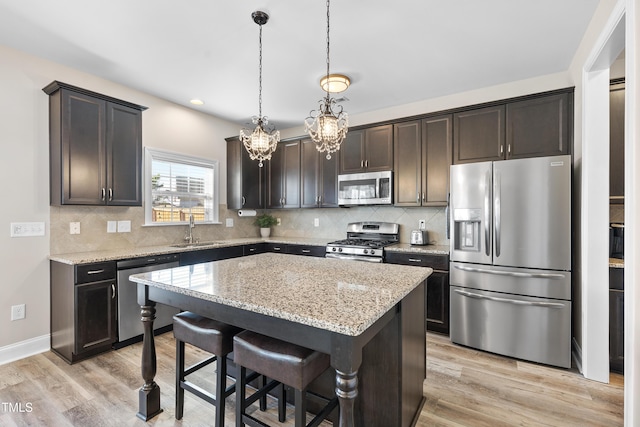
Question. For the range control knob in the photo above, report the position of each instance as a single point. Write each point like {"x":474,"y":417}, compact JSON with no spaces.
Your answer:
{"x":373,"y":252}
{"x":366,"y":251}
{"x":333,"y":249}
{"x":339,"y":249}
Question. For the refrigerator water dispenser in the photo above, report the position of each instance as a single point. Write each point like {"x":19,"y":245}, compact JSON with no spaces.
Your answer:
{"x":466,"y":226}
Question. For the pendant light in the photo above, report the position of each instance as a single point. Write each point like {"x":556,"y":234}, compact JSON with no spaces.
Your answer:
{"x":328,"y":125}
{"x":263,"y":140}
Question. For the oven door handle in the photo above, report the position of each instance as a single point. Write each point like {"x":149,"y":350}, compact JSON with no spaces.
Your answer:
{"x":354,"y":258}
{"x":509,"y":300}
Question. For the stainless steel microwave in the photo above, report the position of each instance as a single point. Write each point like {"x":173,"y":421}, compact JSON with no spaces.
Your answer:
{"x":369,"y":188}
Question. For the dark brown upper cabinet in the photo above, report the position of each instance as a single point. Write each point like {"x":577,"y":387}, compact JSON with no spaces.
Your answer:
{"x":616,"y":142}
{"x":422,"y":156}
{"x":284,"y":176}
{"x":534,"y":127}
{"x":319,"y":177}
{"x":246,"y":181}
{"x":479,"y":135}
{"x":538,"y":127}
{"x":95,"y":148}
{"x":367,"y":150}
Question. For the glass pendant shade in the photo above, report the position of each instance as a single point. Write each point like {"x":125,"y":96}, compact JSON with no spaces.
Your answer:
{"x":261,"y":143}
{"x":326,"y":127}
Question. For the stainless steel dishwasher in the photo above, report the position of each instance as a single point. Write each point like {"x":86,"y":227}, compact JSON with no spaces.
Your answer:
{"x":129,"y":325}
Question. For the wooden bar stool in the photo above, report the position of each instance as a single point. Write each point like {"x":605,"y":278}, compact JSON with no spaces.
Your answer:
{"x":211,"y":336}
{"x":284,"y":363}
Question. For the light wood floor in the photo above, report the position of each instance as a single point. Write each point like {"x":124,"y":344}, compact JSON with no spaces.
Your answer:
{"x":464,"y":387}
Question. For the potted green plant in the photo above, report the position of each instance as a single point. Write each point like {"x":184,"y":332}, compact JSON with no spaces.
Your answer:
{"x":265,"y":222}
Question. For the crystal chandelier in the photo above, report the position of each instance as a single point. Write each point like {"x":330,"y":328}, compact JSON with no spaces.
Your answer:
{"x":263,"y":140}
{"x":328,"y":125}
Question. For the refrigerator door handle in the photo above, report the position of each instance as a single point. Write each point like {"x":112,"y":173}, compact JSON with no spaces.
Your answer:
{"x":511,"y":301}
{"x":487,"y":207}
{"x":553,"y":276}
{"x":497,"y":182}
{"x":447,"y":213}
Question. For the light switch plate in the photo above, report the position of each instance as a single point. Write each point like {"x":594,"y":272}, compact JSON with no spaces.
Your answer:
{"x":316,"y":222}
{"x":112,"y":226}
{"x":27,"y":229}
{"x":124,"y":226}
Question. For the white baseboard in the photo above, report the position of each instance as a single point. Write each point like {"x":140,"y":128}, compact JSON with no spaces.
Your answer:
{"x":22,"y":349}
{"x":576,"y":352}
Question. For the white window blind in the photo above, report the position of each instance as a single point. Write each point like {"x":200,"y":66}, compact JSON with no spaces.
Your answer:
{"x":178,"y":186}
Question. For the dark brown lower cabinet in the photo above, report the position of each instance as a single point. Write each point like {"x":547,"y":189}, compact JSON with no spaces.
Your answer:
{"x":83,"y":309}
{"x":616,"y":320}
{"x":437,"y":292}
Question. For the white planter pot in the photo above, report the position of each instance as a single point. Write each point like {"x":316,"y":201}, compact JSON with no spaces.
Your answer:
{"x":265,"y":231}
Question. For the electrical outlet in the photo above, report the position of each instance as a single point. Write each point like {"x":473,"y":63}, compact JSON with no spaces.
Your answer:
{"x":229,"y":222}
{"x":17,"y":312}
{"x":316,"y":222}
{"x":112,"y":226}
{"x":422,"y":224}
{"x":278,"y":221}
{"x":74,"y":228}
{"x":124,"y":226}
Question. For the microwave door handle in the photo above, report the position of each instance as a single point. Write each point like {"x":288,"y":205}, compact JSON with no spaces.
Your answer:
{"x":496,"y":194}
{"x":487,"y":208}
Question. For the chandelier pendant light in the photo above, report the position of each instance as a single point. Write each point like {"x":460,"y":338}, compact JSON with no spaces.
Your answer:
{"x":263,"y":140}
{"x":327,"y":126}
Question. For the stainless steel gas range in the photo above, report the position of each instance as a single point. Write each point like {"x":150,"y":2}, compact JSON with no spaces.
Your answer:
{"x":365,"y":241}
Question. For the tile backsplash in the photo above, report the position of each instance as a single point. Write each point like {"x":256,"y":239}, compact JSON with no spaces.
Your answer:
{"x":294,"y":223}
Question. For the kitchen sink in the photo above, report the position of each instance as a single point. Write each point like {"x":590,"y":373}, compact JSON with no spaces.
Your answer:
{"x":197,"y":244}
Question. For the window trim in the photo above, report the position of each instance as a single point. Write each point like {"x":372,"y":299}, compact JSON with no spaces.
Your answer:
{"x":153,"y":153}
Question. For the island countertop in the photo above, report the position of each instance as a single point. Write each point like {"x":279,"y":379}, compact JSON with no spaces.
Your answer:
{"x":330,"y":294}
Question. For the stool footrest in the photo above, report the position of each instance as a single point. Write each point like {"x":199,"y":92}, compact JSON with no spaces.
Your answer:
{"x":192,"y":369}
{"x":261,"y":392}
{"x":198,"y":391}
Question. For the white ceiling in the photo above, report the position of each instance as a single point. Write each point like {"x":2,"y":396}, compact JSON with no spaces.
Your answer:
{"x":395,"y":52}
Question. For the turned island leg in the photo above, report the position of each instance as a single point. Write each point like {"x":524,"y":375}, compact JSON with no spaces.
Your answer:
{"x":346,"y":390}
{"x":149,"y":394}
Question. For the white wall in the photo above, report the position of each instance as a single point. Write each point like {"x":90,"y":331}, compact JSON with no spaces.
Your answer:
{"x":24,"y":174}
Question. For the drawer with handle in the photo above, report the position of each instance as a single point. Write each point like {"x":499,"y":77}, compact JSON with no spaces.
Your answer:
{"x":86,"y":273}
{"x":437,"y":262}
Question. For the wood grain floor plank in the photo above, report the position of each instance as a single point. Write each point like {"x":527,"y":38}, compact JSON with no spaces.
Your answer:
{"x":464,"y":388}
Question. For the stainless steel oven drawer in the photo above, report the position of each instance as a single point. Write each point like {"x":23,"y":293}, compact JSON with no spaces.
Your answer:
{"x":528,"y":328}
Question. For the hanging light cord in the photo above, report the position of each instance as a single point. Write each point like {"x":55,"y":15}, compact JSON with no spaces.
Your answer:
{"x":260,"y":78}
{"x":328,"y":44}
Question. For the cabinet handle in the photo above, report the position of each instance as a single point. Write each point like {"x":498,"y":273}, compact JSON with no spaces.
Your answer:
{"x":501,"y":149}
{"x":424,"y":199}
{"x":361,"y":163}
{"x":243,"y":200}
{"x":415,"y":260}
{"x":113,"y":291}
{"x":110,"y":194}
{"x":102,"y":194}
{"x":252,"y":249}
{"x":306,"y":251}
{"x":509,"y":148}
{"x":276,"y":248}
{"x":418,"y":198}
{"x":366,"y":163}
{"x":95,"y":271}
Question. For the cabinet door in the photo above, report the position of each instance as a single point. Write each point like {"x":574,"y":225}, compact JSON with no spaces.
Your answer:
{"x":124,"y":155}
{"x":538,"y":127}
{"x":246,"y":181}
{"x":284,"y":176}
{"x":83,"y":149}
{"x":328,"y":185}
{"x":436,"y":159}
{"x":95,"y":321}
{"x":310,"y":174}
{"x":437,"y":302}
{"x":352,"y":152}
{"x":478,"y":135}
{"x":379,"y":148}
{"x":407,"y":147}
{"x":616,"y":330}
{"x":616,"y":143}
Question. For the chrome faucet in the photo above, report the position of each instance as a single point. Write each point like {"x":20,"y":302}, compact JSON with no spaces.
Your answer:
{"x":189,"y":237}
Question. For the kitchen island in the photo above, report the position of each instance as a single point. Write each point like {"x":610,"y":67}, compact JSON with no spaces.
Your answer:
{"x":368,"y":317}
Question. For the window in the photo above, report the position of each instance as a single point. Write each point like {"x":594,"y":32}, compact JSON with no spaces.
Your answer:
{"x":177,"y":186}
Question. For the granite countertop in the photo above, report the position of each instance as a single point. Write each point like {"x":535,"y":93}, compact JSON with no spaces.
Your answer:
{"x":126,"y":253}
{"x":616,"y":263}
{"x":290,"y":287}
{"x":426,"y":249}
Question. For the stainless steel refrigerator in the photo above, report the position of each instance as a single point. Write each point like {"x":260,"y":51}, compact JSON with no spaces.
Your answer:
{"x":511,"y":258}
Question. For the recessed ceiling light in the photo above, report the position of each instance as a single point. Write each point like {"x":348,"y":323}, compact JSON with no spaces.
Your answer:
{"x":197,"y":102}
{"x":335,"y":83}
